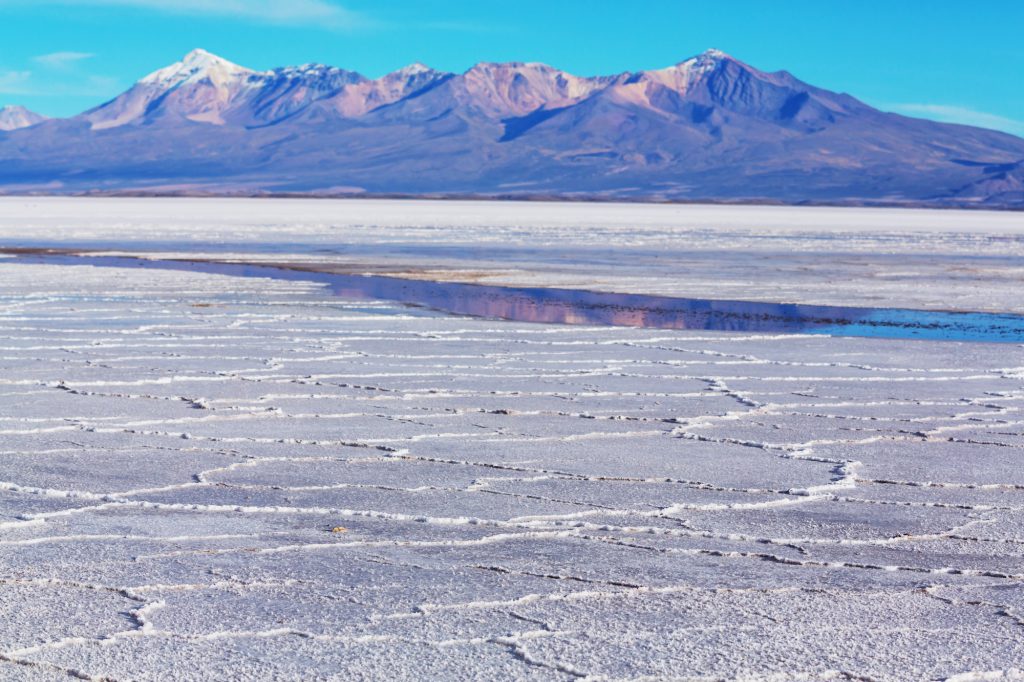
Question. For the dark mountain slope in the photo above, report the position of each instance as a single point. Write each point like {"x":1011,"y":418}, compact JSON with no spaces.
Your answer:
{"x":710,"y":127}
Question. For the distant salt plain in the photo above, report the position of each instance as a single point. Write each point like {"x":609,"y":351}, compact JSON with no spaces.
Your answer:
{"x":938,"y":259}
{"x":210,"y":477}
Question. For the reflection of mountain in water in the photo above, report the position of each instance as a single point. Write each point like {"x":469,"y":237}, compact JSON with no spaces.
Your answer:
{"x":574,"y":306}
{"x":579,"y":307}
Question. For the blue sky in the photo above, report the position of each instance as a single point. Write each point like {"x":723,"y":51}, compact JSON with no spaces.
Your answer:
{"x":940,"y":59}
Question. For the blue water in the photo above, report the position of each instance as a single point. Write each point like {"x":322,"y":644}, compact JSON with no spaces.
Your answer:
{"x":574,"y":306}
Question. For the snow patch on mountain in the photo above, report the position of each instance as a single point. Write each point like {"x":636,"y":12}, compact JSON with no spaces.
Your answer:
{"x":682,"y":76}
{"x":710,"y":126}
{"x":196,"y":66}
{"x":15,"y":117}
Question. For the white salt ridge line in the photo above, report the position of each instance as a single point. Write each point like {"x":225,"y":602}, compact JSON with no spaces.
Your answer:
{"x":46,"y":420}
{"x":200,"y":403}
{"x":22,"y":523}
{"x":144,"y":628}
{"x":49,"y":429}
{"x":970,"y":441}
{"x":56,"y":493}
{"x":230,"y":584}
{"x":753,"y":360}
{"x":273,"y":414}
{"x":1008,"y":674}
{"x":476,"y":486}
{"x":691,"y":532}
{"x":159,"y":381}
{"x":130,"y":592}
{"x":486,"y":436}
{"x":1001,"y":610}
{"x":200,"y":480}
{"x":555,"y":527}
{"x":983,"y":573}
{"x":95,"y":340}
{"x":65,"y":672}
{"x":975,"y":425}
{"x":944,"y":484}
{"x":619,"y":591}
{"x":616,"y":592}
{"x":844,"y":469}
{"x":255,"y":461}
{"x":442,"y":392}
{"x":113,"y":537}
{"x":528,"y":496}
{"x":677,"y":377}
{"x":498,"y":538}
{"x":699,"y":485}
{"x":930,"y":505}
{"x":768,"y":504}
{"x":886,"y":421}
{"x":242,"y":439}
{"x":565,"y":374}
{"x":354,"y":513}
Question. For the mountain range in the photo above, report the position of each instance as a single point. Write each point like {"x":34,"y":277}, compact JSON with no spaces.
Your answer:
{"x":14,"y":117}
{"x":708,"y":128}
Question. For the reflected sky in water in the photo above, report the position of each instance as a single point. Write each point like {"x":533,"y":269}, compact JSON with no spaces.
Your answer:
{"x":573,"y":306}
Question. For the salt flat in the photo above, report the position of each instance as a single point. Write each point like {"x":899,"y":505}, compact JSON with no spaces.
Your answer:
{"x":212,"y":477}
{"x":948,"y":260}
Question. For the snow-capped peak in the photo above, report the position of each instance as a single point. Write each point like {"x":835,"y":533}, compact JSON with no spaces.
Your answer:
{"x":681,"y":77}
{"x":201,"y":57}
{"x":318,"y":76}
{"x":414,"y":69}
{"x":704,"y":62}
{"x":310,"y":69}
{"x":712,"y":53}
{"x":15,"y":116}
{"x":408,"y":75}
{"x":197,"y":65}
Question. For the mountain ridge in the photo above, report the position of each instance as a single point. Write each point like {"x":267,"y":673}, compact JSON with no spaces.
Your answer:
{"x":707,"y":128}
{"x":15,"y":117}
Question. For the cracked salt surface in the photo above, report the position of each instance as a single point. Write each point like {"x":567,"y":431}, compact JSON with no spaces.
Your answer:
{"x":211,"y":477}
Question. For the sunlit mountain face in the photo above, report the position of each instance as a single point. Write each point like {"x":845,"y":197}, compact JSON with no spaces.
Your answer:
{"x":15,"y":117}
{"x":707,"y":128}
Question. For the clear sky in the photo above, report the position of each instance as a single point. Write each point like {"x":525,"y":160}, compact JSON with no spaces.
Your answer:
{"x":945,"y":59}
